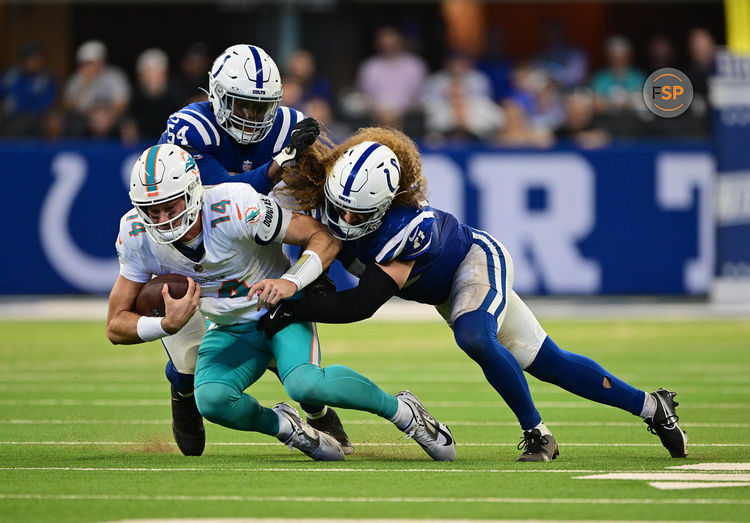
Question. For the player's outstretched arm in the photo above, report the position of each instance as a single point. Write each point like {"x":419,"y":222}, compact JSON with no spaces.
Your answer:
{"x":320,"y":250}
{"x":126,"y":327}
{"x":377,"y":285}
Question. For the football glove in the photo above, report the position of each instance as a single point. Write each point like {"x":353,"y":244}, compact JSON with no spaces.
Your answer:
{"x":276,"y":319}
{"x":304,"y":134}
{"x":322,"y":286}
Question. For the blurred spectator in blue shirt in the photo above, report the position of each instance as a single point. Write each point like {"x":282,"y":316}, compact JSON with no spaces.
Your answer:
{"x":564,"y":62}
{"x":303,"y":83}
{"x":97,"y":93}
{"x":27,"y":92}
{"x":618,"y":86}
{"x":495,"y":63}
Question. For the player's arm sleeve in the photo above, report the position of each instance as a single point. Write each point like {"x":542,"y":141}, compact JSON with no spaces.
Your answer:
{"x":257,"y":178}
{"x":131,"y":263}
{"x":264,"y":220}
{"x":411,"y":241}
{"x":374,"y":289}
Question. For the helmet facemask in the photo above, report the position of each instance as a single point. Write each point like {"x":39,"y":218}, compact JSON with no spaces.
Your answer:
{"x":244,"y":88}
{"x":341,"y":229}
{"x":178,"y":225}
{"x":364,"y":181}
{"x":163,"y":174}
{"x":246,"y":119}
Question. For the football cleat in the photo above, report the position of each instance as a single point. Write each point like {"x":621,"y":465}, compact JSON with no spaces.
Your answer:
{"x":434,"y":437}
{"x":664,"y":424}
{"x":331,"y":425}
{"x":187,"y":424}
{"x":318,"y":445}
{"x":537,"y":447}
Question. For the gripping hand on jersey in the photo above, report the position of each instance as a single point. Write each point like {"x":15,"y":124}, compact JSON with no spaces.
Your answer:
{"x":304,"y":134}
{"x":278,"y":318}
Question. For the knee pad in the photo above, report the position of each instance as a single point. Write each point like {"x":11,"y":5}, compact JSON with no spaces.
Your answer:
{"x":215,"y":401}
{"x":301,"y":383}
{"x":184,"y":383}
{"x":474,"y":332}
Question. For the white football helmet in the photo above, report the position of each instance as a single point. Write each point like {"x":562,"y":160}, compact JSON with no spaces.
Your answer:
{"x":163,"y":173}
{"x":363,"y":181}
{"x":244,"y":88}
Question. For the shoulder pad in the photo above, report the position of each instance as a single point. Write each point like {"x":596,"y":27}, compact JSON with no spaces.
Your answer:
{"x":286,"y":119}
{"x":193,"y":129}
{"x":411,"y":240}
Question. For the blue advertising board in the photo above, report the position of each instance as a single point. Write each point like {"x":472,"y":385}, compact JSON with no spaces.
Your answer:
{"x":628,"y":219}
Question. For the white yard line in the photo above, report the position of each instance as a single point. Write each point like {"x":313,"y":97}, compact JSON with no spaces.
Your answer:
{"x":331,"y":499}
{"x":670,"y":476}
{"x":713,"y":466}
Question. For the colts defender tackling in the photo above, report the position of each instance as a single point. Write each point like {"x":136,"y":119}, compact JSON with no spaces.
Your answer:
{"x":372,"y":193}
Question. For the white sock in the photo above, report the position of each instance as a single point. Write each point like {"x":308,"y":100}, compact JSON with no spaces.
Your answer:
{"x":404,"y":415}
{"x":649,"y":406}
{"x":285,"y":427}
{"x":543,"y":429}
{"x":319,"y":414}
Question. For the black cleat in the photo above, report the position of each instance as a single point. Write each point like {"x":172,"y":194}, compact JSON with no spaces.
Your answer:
{"x":537,"y":447}
{"x":664,"y":424}
{"x":187,"y":424}
{"x":331,"y":425}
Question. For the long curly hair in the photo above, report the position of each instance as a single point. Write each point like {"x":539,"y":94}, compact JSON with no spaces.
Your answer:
{"x":305,"y":181}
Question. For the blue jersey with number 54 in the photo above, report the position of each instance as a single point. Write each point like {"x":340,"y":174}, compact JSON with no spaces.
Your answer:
{"x":219,"y":157}
{"x":432,"y":238}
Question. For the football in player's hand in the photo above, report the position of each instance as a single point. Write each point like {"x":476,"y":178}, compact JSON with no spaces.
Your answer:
{"x":150,"y":302}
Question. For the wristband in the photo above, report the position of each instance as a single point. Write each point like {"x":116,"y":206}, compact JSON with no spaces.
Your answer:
{"x":150,"y":329}
{"x":305,"y":271}
{"x":286,"y":156}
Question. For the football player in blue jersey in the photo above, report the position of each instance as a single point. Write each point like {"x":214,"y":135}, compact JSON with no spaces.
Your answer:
{"x":372,"y":195}
{"x":240,"y":134}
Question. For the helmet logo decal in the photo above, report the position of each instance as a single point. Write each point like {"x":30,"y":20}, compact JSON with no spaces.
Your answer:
{"x":151,"y":187}
{"x":252,"y":215}
{"x":388,"y":180}
{"x":189,"y":165}
{"x":222,"y":65}
{"x":357,"y":166}
{"x":258,"y":67}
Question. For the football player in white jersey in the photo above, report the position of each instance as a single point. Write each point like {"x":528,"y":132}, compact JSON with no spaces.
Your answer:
{"x":241,"y":134}
{"x":225,"y":239}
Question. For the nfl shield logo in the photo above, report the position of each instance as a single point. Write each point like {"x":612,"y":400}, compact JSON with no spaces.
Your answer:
{"x":247,"y":165}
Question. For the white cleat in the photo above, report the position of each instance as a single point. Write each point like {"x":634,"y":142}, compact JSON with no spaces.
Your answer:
{"x":318,"y":445}
{"x":434,"y":437}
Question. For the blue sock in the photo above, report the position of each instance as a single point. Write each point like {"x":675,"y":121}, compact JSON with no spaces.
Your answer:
{"x":184,"y":383}
{"x":476,"y":334}
{"x":584,"y":377}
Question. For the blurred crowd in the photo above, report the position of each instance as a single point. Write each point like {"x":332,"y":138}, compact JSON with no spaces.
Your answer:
{"x":553,"y":97}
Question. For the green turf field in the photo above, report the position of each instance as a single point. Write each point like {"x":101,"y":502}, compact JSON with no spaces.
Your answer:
{"x":85,"y":434}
